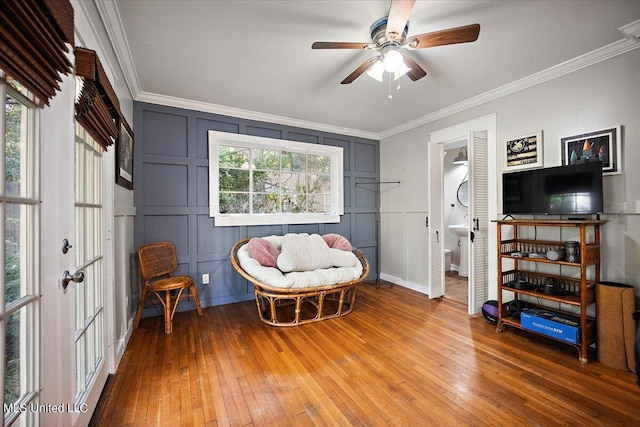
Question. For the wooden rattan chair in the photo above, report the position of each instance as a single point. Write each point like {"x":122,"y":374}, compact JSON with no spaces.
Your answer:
{"x":157,"y":263}
{"x":308,"y":304}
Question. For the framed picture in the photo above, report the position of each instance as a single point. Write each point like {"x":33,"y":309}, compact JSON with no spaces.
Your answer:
{"x":124,"y":156}
{"x":523,"y":152}
{"x":599,"y":146}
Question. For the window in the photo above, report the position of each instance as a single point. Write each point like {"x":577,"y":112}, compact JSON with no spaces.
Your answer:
{"x":255,"y":180}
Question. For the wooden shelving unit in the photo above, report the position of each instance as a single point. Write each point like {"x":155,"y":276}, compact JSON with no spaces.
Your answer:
{"x":582,"y":292}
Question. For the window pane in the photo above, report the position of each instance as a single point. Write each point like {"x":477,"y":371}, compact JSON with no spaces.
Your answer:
{"x":294,"y":203}
{"x":293,"y":162}
{"x":17,"y":244}
{"x":234,"y":180}
{"x":266,"y":159}
{"x":319,"y":164}
{"x":234,"y":203}
{"x":266,"y":203}
{"x":319,"y":184}
{"x":293,"y":182}
{"x":268,"y":182}
{"x":233,"y":157}
{"x":16,"y":139}
{"x":320,"y":203}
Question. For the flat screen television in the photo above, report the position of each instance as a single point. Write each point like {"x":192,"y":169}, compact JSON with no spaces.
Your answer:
{"x":562,"y":190}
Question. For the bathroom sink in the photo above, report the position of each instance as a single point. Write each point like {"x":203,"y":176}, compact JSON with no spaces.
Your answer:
{"x":462,"y":230}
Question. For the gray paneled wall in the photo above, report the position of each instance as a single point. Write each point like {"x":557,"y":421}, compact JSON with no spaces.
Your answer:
{"x":171,"y":194}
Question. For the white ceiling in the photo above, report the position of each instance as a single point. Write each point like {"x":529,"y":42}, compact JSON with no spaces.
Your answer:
{"x":254,"y":59}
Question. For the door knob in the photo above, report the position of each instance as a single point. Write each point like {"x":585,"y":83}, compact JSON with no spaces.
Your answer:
{"x":67,"y":277}
{"x":66,"y":246}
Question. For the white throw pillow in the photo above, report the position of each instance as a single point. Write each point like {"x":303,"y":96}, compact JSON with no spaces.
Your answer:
{"x":304,"y":252}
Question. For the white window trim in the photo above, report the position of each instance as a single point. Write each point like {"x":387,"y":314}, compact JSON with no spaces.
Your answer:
{"x":337,"y":179}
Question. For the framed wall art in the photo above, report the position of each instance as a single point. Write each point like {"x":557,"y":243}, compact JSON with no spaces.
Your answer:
{"x":598,"y":146}
{"x":523,"y":152}
{"x":124,"y":156}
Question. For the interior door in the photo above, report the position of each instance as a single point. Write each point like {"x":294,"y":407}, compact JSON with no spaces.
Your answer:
{"x":73,"y":317}
{"x":479,"y":214}
{"x":436,"y":221}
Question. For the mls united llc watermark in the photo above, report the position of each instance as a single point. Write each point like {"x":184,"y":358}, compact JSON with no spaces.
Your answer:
{"x":47,"y":407}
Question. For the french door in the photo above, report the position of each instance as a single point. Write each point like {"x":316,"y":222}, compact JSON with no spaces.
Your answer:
{"x":52,"y":330}
{"x":74,"y":364}
{"x":20,"y":291}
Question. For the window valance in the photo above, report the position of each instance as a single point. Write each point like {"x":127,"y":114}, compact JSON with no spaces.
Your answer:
{"x":97,"y":107}
{"x":33,"y":44}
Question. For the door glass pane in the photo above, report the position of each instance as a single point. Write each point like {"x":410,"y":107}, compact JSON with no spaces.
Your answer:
{"x":19,"y":213}
{"x":16,"y":145}
{"x":17,"y":243}
{"x":89,"y":310}
{"x":13,"y":387}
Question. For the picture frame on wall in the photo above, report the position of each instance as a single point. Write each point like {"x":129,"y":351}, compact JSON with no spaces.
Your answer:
{"x":602,"y":145}
{"x":523,"y":152}
{"x":124,"y":156}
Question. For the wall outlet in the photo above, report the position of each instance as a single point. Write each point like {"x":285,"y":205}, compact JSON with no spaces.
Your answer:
{"x":205,"y":279}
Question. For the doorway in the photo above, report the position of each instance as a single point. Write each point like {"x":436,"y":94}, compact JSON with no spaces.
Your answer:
{"x":482,"y":206}
{"x":455,"y":201}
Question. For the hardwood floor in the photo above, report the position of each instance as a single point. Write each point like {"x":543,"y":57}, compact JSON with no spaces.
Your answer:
{"x":456,"y":287}
{"x":398,"y":359}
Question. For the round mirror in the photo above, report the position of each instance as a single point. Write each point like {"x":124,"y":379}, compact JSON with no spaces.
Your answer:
{"x":463,"y":194}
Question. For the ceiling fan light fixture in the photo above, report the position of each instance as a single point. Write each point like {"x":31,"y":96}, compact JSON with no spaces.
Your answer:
{"x":401,"y":71}
{"x":392,"y":61}
{"x":376,"y":72}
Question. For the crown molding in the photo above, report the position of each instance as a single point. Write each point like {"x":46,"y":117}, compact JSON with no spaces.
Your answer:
{"x":110,"y":16}
{"x":170,"y":101}
{"x":594,"y":57}
{"x":113,"y":24}
{"x":631,"y":30}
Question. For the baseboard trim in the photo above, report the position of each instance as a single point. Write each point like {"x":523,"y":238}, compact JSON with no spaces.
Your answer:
{"x":405,"y":283}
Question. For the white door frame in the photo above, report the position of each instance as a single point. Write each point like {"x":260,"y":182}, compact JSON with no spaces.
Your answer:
{"x":461,"y":131}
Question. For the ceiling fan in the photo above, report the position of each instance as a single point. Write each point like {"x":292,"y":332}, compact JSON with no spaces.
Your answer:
{"x":389,"y":40}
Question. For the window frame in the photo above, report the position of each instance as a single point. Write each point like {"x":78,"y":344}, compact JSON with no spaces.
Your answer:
{"x":216,"y":139}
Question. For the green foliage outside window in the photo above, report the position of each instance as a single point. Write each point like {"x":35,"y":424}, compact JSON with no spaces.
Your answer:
{"x":257,"y":180}
{"x":13,"y":116}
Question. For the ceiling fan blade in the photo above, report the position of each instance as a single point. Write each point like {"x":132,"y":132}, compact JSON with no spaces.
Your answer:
{"x":358,"y":71}
{"x":464,"y":34}
{"x":339,"y":45}
{"x":416,"y":72}
{"x":399,"y":12}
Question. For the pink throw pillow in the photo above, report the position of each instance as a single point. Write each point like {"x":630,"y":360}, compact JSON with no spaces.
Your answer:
{"x":337,"y":241}
{"x":263,"y":251}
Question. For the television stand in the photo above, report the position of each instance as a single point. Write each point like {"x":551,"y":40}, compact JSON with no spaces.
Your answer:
{"x":575,"y":278}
